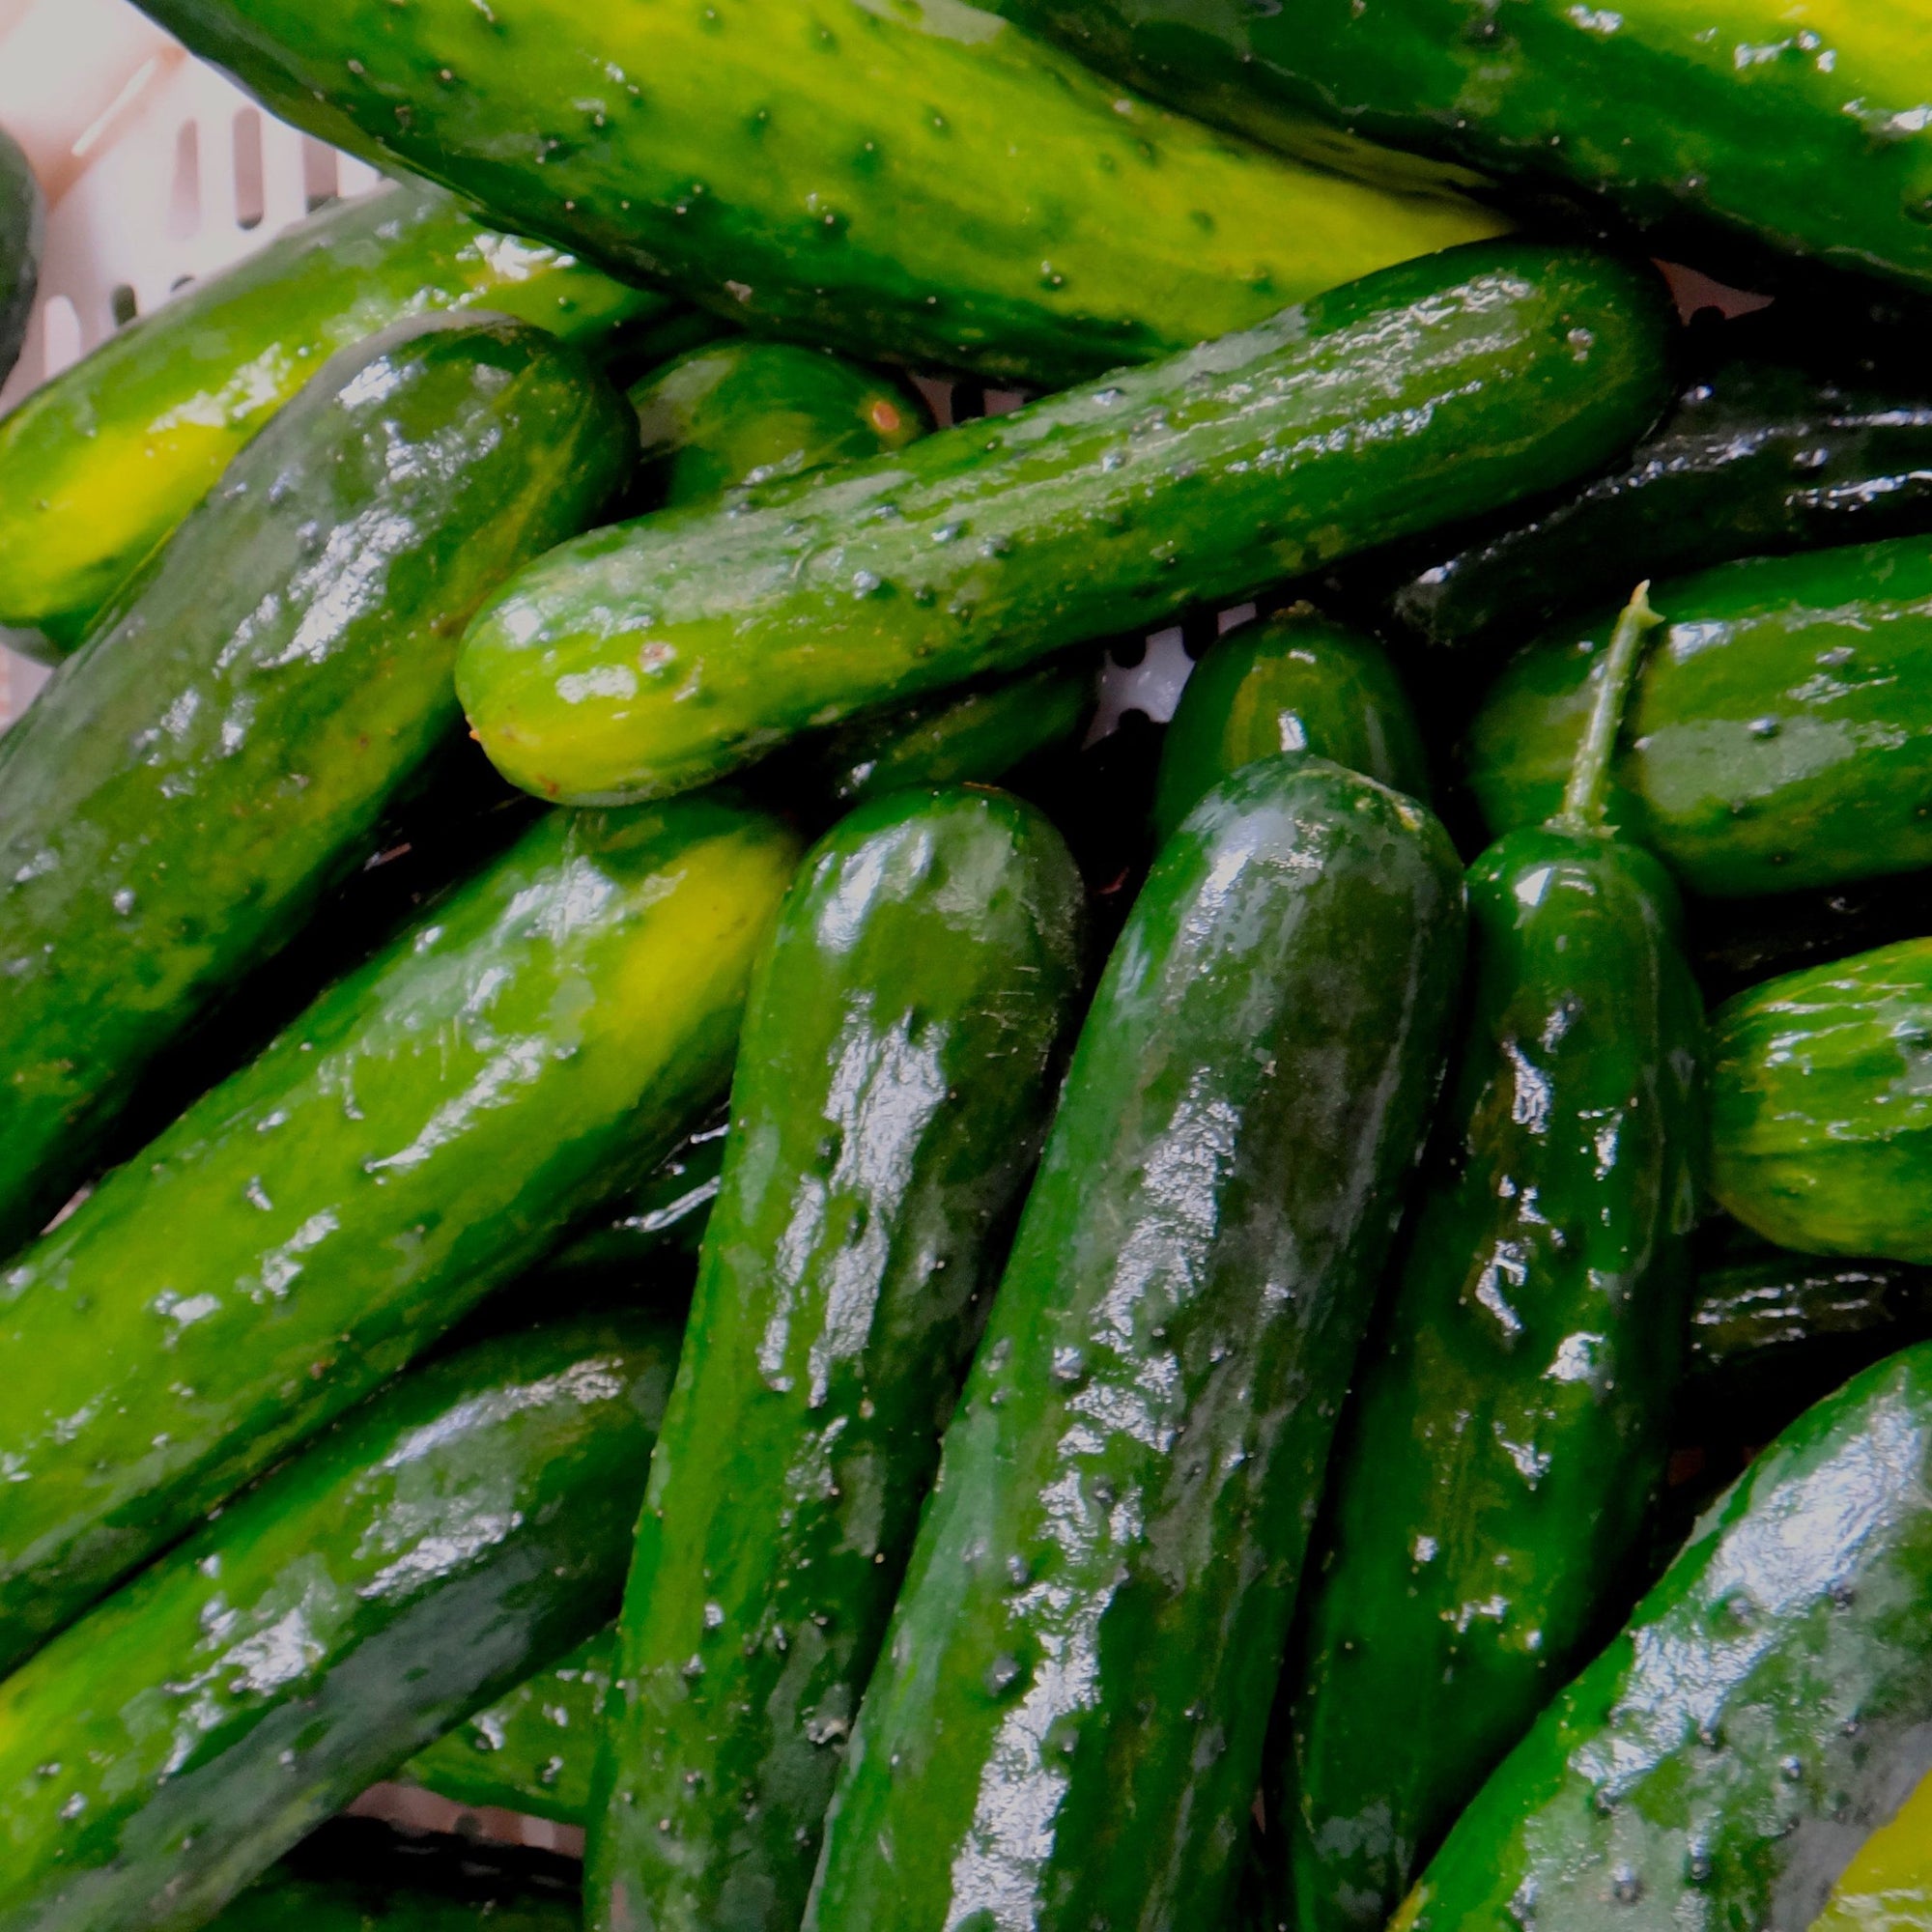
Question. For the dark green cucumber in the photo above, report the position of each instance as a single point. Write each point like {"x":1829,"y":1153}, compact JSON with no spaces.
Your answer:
{"x":1821,"y":1107}
{"x":1067,"y":1728}
{"x":425,"y":1130}
{"x":185,"y":787}
{"x":892,"y":1090}
{"x":1769,"y":1703}
{"x":99,"y":465}
{"x":22,"y":227}
{"x":741,"y":411}
{"x":1511,"y":1429}
{"x":1293,"y":682}
{"x":664,"y":1216}
{"x":471,"y":1523}
{"x":923,"y":183}
{"x":1781,"y":734}
{"x":649,"y":657}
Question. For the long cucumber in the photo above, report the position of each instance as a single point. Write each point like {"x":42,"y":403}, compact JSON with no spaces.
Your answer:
{"x":425,"y":1130}
{"x":22,"y":226}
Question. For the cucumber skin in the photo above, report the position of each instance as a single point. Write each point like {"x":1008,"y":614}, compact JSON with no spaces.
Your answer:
{"x":925,"y":185}
{"x":1755,"y":1718}
{"x":1511,"y":1430}
{"x":467,"y":1524}
{"x":1295,"y":682}
{"x":22,"y":231}
{"x":1820,"y":1125}
{"x":650,"y":657}
{"x":1089,"y":1634}
{"x":185,"y":788}
{"x":99,"y":465}
{"x":426,"y":1130}
{"x":316,"y":1905}
{"x":893,"y":1088}
{"x":1780,"y":737}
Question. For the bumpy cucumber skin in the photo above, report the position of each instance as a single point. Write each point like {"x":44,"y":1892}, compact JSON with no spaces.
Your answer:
{"x":1510,"y":1432}
{"x":471,"y":1523}
{"x":1781,"y":735}
{"x":649,"y":657}
{"x":1066,"y":1726}
{"x":22,"y":229}
{"x":99,"y":465}
{"x":184,"y":788}
{"x":742,"y":412}
{"x":1763,"y":1710}
{"x":892,"y":1092}
{"x":423,"y":1133}
{"x":923,"y":183}
{"x":1295,"y":682}
{"x":1821,"y":1114}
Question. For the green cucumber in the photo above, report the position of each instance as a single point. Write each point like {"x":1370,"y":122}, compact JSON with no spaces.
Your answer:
{"x":1065,"y":1729}
{"x":649,"y":657}
{"x":1293,"y":683}
{"x":1781,"y":734}
{"x":742,"y":412}
{"x":922,"y":182}
{"x":666,"y":1215}
{"x":471,"y":1523}
{"x":892,"y":1090}
{"x":22,"y":230}
{"x":1512,"y":1428}
{"x":98,"y":466}
{"x":425,"y":1130}
{"x":1768,"y":1704}
{"x":184,"y":788}
{"x":1821,"y":1112}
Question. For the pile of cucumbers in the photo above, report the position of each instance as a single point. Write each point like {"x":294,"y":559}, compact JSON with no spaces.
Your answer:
{"x":655,"y":1172}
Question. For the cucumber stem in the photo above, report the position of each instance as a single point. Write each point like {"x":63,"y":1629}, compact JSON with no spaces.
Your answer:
{"x":1585,"y":801}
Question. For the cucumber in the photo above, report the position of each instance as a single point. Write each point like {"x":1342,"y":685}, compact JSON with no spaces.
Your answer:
{"x":663,"y":1217}
{"x":22,"y":230}
{"x":920,"y":183}
{"x":1293,"y":683}
{"x":649,"y":657}
{"x":744,"y":412}
{"x":1781,"y":735}
{"x":424,"y":1131}
{"x":98,"y":466}
{"x":181,"y":792}
{"x":1821,"y":1117}
{"x":1512,"y":1428}
{"x":1767,"y":1705}
{"x":1888,"y":1886}
{"x":471,"y":1523}
{"x":1065,"y":1729}
{"x":892,"y":1090}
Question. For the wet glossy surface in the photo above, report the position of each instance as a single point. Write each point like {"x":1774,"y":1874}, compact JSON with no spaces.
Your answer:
{"x":471,"y":1521}
{"x":650,"y":657}
{"x":890,"y":1097}
{"x":423,"y":1133}
{"x":1066,"y":1728}
{"x":22,"y":221}
{"x":1722,"y":1759}
{"x":181,"y":792}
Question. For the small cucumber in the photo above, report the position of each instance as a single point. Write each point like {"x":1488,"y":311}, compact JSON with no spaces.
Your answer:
{"x":1768,"y":1704}
{"x":22,"y":230}
{"x":1293,"y":683}
{"x":1781,"y":734}
{"x":181,"y":792}
{"x":470,"y":1523}
{"x":892,"y":1090}
{"x":100,"y":464}
{"x":652,"y":656}
{"x":1065,"y":1729}
{"x":423,"y":1133}
{"x":1512,"y":1429}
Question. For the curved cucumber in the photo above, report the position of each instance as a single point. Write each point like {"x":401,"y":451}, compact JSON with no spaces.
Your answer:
{"x":98,"y":466}
{"x":1767,"y":1705}
{"x":892,"y":1090}
{"x":181,"y":792}
{"x":424,"y":1131}
{"x":1293,"y":682}
{"x":1066,"y":1726}
{"x":469,"y":1523}
{"x":1781,"y":734}
{"x":647,"y":658}
{"x":22,"y":227}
